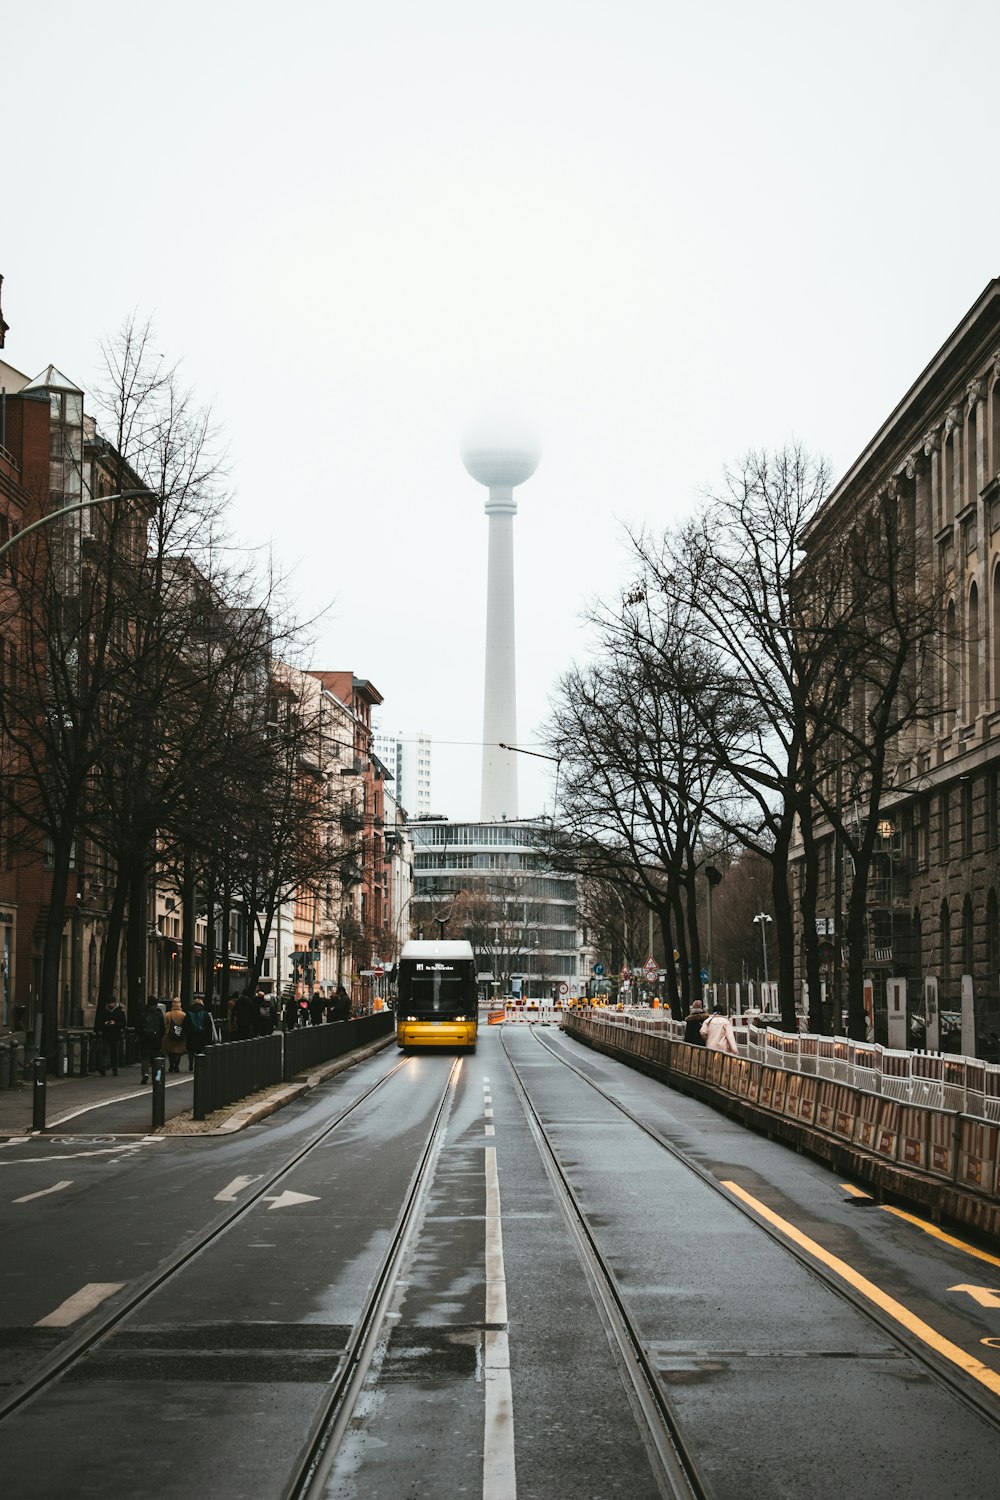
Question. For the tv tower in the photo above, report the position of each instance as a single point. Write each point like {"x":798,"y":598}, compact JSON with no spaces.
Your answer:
{"x":501,"y":462}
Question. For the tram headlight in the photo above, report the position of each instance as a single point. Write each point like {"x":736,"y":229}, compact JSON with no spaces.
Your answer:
{"x":411,"y":1018}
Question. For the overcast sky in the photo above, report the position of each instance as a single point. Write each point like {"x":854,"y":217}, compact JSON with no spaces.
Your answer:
{"x":666,"y":231}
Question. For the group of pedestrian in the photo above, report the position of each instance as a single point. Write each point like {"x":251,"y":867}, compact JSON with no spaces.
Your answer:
{"x":166,"y":1029}
{"x":315,"y":1009}
{"x":712,"y":1029}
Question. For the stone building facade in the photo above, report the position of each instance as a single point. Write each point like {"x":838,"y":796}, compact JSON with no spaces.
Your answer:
{"x":934,"y":891}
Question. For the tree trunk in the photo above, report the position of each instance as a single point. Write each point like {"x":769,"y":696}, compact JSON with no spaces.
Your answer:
{"x":135,"y":943}
{"x":112,"y":942}
{"x":52,"y":948}
{"x":189,"y":892}
{"x":783,"y":922}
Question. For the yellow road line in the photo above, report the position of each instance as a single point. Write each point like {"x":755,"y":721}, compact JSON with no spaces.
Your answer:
{"x":856,"y":1192}
{"x":947,"y":1239}
{"x":895,"y":1310}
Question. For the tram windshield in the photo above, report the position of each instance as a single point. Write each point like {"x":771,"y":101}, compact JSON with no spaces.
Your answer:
{"x":436,"y":987}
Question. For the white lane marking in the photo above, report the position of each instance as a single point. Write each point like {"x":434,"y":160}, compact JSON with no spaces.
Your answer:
{"x":499,"y":1481}
{"x":56,"y":1188}
{"x":14,"y":1140}
{"x":81,"y":1302}
{"x":229,"y":1192}
{"x":487,"y":1114}
{"x":288,"y":1199}
{"x":119,"y":1149}
{"x":490,"y":1130}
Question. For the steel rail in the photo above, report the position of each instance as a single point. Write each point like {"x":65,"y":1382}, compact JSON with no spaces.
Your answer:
{"x":105,"y":1321}
{"x":311,"y":1471}
{"x":938,"y":1368}
{"x":674,"y":1466}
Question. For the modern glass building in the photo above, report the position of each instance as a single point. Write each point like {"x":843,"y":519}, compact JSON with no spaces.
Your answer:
{"x":490,"y":880}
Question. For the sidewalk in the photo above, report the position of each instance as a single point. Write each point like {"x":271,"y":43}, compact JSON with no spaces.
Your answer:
{"x":66,"y":1096}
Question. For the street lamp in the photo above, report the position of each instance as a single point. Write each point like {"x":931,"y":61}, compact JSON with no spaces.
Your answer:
{"x":69,"y":510}
{"x":763,"y":918}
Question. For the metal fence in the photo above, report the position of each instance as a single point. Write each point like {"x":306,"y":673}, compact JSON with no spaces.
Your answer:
{"x":229,"y":1071}
{"x":937,"y":1080}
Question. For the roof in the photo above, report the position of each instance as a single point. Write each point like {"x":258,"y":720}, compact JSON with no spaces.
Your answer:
{"x":426,"y":949}
{"x":52,"y":379}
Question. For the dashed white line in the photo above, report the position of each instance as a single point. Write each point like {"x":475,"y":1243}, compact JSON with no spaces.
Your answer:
{"x":499,"y":1479}
{"x":81,"y":1303}
{"x":56,"y":1187}
{"x":490,"y":1130}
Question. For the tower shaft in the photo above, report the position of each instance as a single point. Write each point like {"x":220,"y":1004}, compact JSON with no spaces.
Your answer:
{"x":499,"y":783}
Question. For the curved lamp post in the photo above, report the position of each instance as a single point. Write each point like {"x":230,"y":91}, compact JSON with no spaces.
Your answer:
{"x":68,"y":510}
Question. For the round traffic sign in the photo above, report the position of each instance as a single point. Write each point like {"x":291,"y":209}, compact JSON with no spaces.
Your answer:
{"x":598,"y":969}
{"x":564,"y":988}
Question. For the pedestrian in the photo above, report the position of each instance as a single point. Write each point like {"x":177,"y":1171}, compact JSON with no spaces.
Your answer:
{"x":244,"y":1016}
{"x":303,"y":1008}
{"x":110,"y":1029}
{"x":316,"y":1009}
{"x":718,"y":1033}
{"x":342,"y":1004}
{"x":151,"y":1031}
{"x":175,"y":1038}
{"x":330,"y":1008}
{"x":695,"y":1021}
{"x":290,"y":1013}
{"x":264,"y":1017}
{"x":199,"y":1030}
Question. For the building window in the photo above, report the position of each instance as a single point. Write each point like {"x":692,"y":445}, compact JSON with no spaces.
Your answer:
{"x":945,"y":941}
{"x":944,"y":824}
{"x":992,"y":940}
{"x":967,"y":817}
{"x":972,"y":452}
{"x":972,"y":652}
{"x":968,"y":928}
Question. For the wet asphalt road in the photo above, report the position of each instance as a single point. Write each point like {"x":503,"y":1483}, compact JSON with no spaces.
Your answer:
{"x":781,"y":1384}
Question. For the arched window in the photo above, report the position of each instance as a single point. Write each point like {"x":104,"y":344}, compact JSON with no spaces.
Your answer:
{"x":971,"y":453}
{"x":995,"y":622}
{"x":992,"y":940}
{"x":968,"y":933}
{"x":972,"y":652}
{"x":951,"y":647}
{"x":945,"y":953}
{"x":952,"y":470}
{"x":995,"y":445}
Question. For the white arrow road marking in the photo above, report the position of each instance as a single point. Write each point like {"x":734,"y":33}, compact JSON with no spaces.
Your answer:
{"x":984,"y":1295}
{"x":288,"y":1198}
{"x":81,"y":1302}
{"x":56,"y":1188}
{"x":229,"y":1192}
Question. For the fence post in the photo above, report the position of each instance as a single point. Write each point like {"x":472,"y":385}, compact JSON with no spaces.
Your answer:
{"x":199,"y":1109}
{"x":38,"y":1096}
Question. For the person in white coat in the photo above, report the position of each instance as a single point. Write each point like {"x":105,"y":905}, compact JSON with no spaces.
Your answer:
{"x":718,"y":1033}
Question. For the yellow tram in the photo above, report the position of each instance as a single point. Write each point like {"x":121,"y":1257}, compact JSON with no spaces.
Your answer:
{"x":437,"y":1001}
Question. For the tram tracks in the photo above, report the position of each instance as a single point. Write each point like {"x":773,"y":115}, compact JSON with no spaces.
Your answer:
{"x":941,"y":1369}
{"x":674,"y":1466}
{"x":74,"y":1349}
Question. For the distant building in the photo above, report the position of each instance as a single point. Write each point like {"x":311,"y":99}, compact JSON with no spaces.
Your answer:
{"x":409,"y":760}
{"x":488,"y":882}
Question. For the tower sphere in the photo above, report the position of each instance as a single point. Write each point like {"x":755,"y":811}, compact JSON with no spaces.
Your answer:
{"x":501,"y":457}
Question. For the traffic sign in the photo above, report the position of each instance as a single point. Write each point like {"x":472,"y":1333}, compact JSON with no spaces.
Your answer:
{"x":626,"y":972}
{"x":378,"y":972}
{"x":650,"y":968}
{"x":703,"y":976}
{"x":564,"y":988}
{"x":598,"y":969}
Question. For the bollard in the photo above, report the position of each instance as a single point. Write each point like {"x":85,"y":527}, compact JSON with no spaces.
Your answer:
{"x":38,"y":1096}
{"x":159,"y":1091}
{"x":200,"y":1107}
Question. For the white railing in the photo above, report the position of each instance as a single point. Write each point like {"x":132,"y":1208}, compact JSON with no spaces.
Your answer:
{"x":939,"y":1080}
